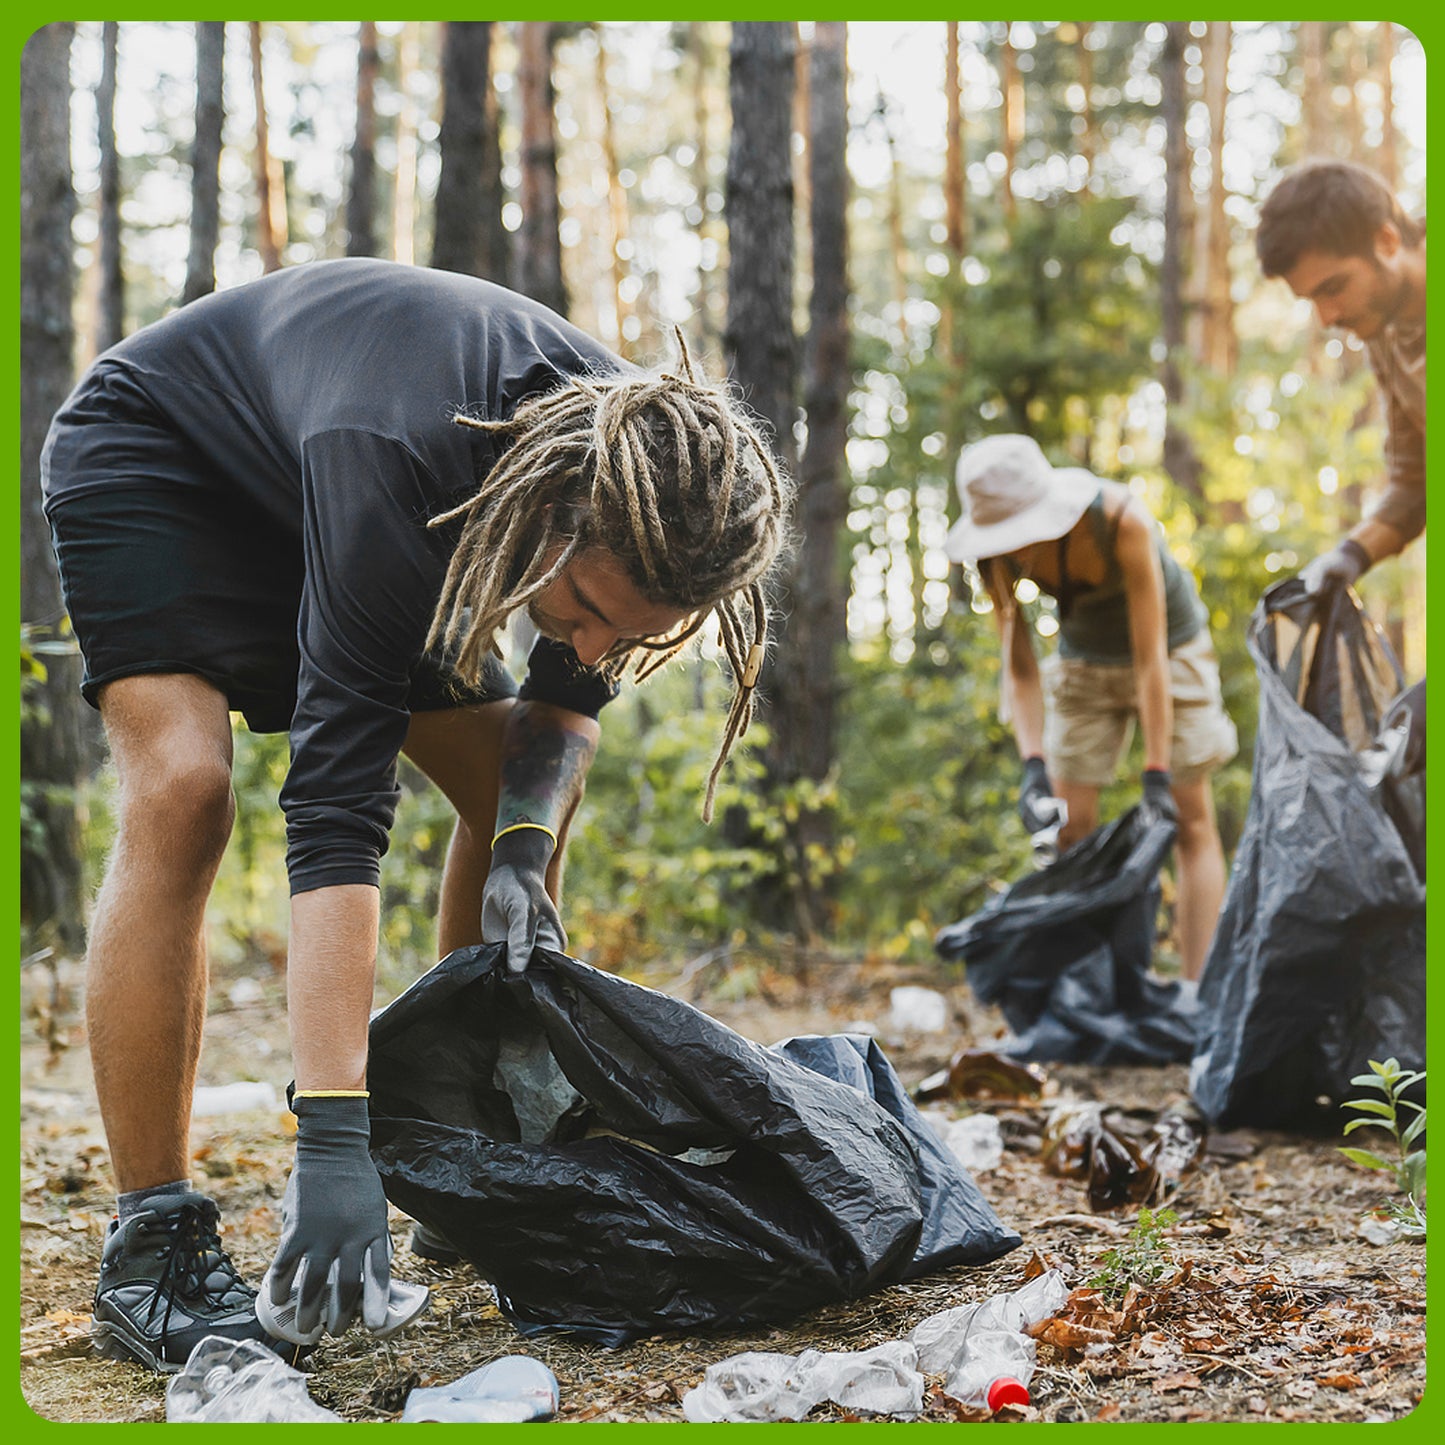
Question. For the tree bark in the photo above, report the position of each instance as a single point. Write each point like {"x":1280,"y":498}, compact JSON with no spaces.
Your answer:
{"x":271,"y":223}
{"x":465,"y":232}
{"x":110,"y":302}
{"x":1220,"y":350}
{"x":1013,"y":120}
{"x":806,"y":685}
{"x":1180,"y":460}
{"x":206,"y":160}
{"x":616,"y":199}
{"x":403,"y":228}
{"x":759,"y":337}
{"x":762,"y":354}
{"x":539,"y":241}
{"x":953,"y":151}
{"x":361,"y":197}
{"x":51,"y":749}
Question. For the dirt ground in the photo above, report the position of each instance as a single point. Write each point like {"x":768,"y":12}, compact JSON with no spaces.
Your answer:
{"x":1273,"y":1305}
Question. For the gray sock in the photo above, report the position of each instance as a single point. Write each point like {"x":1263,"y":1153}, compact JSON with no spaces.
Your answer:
{"x":130,"y":1204}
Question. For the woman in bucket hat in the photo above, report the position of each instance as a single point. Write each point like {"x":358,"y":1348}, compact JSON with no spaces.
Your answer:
{"x":1133,"y":643}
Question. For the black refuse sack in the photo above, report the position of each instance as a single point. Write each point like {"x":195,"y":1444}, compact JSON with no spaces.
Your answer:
{"x":1318,"y":964}
{"x":618,"y":1163}
{"x":1065,"y":953}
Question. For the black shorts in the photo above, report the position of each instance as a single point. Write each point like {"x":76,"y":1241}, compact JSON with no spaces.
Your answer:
{"x":168,"y":578}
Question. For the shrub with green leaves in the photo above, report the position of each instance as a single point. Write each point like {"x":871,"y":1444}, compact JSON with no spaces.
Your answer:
{"x":1141,"y":1258}
{"x":1404,"y":1120}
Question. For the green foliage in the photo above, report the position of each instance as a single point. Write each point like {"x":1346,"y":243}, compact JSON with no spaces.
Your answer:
{"x":1389,"y":1112}
{"x":1140,"y":1259}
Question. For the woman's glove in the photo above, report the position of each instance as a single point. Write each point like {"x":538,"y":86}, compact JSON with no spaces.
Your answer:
{"x":1158,"y":802}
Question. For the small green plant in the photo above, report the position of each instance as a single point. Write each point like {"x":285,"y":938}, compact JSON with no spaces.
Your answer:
{"x":1388,"y":1112}
{"x":1140,"y":1258}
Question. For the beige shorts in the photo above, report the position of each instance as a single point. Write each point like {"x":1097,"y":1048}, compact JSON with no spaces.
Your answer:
{"x":1091,"y":708}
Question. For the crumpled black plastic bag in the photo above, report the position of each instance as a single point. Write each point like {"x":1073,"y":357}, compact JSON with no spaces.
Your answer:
{"x":617,"y":1163}
{"x":1065,"y":953}
{"x":1318,"y":963}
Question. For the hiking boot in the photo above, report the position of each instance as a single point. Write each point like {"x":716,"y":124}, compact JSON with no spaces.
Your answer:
{"x":166,"y":1283}
{"x":430,"y":1244}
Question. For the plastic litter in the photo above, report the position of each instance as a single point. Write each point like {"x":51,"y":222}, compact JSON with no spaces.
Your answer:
{"x":236,"y":1098}
{"x":983,"y":1074}
{"x":617,"y":1163}
{"x":240,"y":1381}
{"x":404,"y":1302}
{"x":506,"y":1391}
{"x":1123,"y":1158}
{"x":917,"y":1010}
{"x":760,"y":1386}
{"x":1054,"y":813}
{"x":982,"y":1350}
{"x":975,"y":1140}
{"x":1318,"y":962}
{"x":1065,"y":953}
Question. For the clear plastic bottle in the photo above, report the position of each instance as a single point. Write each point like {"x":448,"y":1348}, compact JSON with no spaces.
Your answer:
{"x":240,"y":1381}
{"x":982,"y":1350}
{"x":506,"y":1391}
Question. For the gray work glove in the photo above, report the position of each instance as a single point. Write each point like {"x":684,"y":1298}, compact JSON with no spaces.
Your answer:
{"x":516,"y":907}
{"x":1034,"y":793}
{"x":1340,"y":567}
{"x":334,"y":1259}
{"x":1158,"y":802}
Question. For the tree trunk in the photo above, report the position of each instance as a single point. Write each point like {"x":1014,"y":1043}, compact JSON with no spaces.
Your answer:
{"x":1388,"y":161}
{"x":361,"y":198}
{"x":1013,"y":121}
{"x":759,"y":339}
{"x":407,"y":124}
{"x":1089,"y":136}
{"x":805,"y":679}
{"x":616,"y":201}
{"x":464,"y":235}
{"x":953,"y":148}
{"x":1220,"y":351}
{"x":1180,"y":460}
{"x":539,"y":241}
{"x":110,"y":302}
{"x":897,"y":241}
{"x":1318,"y":112}
{"x":51,"y":751}
{"x":707,"y":325}
{"x":206,"y":160}
{"x":271,"y":223}
{"x":761,"y":349}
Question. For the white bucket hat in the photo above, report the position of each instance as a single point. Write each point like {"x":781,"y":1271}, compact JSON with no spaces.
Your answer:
{"x":1013,"y":498}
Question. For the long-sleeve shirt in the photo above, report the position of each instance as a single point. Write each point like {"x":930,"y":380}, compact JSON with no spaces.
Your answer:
{"x":1397,"y":357}
{"x":324,"y":395}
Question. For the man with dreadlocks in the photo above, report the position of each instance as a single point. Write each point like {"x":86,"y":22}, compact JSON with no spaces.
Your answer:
{"x":315,"y":500}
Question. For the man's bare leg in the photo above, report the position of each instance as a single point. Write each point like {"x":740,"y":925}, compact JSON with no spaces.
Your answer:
{"x":459,"y":749}
{"x":170,"y":739}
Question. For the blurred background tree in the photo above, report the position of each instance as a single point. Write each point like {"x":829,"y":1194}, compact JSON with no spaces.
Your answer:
{"x":975,"y":227}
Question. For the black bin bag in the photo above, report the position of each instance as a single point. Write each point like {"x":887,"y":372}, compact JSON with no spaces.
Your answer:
{"x":1318,"y":963}
{"x":617,"y":1163}
{"x":1065,"y":954}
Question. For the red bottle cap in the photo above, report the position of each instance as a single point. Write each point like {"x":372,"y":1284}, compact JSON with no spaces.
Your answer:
{"x":1006,"y":1391}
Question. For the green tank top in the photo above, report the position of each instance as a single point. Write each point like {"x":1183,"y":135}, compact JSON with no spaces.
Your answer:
{"x":1094,"y":620}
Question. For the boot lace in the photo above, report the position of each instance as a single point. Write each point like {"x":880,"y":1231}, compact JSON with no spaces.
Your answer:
{"x":193,"y":1260}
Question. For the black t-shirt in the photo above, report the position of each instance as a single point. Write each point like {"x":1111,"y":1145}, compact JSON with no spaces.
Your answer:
{"x":325,"y":395}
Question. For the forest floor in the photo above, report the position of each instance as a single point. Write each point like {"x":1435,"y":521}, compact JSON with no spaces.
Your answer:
{"x":1271,"y":1304}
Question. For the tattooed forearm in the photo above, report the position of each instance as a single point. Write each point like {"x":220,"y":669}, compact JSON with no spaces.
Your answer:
{"x":546,"y":752}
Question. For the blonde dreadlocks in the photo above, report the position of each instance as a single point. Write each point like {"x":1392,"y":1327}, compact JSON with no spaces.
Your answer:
{"x":667,"y":473}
